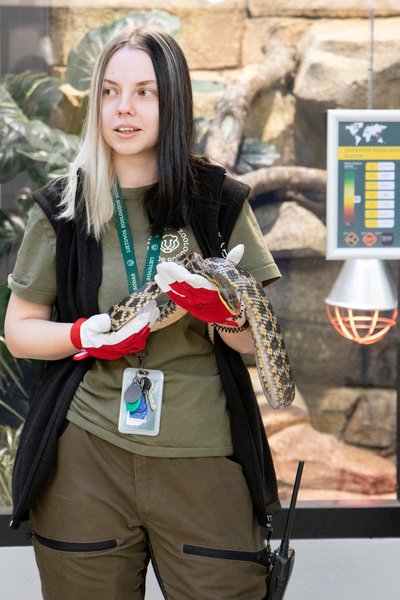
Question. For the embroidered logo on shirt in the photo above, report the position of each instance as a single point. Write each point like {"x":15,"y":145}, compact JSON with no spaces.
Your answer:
{"x":174,"y":245}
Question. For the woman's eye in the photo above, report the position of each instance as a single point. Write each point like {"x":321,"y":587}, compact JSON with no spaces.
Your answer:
{"x":109,"y":92}
{"x":147,"y":92}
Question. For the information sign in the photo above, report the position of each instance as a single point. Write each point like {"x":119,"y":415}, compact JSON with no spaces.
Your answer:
{"x":363,"y":184}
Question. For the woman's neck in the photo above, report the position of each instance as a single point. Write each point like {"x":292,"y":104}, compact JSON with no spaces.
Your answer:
{"x":136,"y":173}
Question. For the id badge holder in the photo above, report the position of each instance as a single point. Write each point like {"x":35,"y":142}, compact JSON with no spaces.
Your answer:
{"x":141,"y":401}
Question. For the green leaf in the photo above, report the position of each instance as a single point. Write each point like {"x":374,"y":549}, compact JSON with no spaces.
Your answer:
{"x":9,"y":440}
{"x":46,"y":150}
{"x":30,"y":145}
{"x":10,"y":369}
{"x":11,"y":409}
{"x":35,"y":93}
{"x":10,"y":162}
{"x":11,"y":231}
{"x":12,"y":133}
{"x":4,"y":298}
{"x":81,"y":61}
{"x":10,"y":112}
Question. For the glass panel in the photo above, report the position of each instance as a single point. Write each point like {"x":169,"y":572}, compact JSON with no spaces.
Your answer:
{"x":343,"y":422}
{"x":24,"y":48}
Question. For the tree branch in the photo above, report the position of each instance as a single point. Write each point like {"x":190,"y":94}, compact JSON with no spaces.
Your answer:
{"x":226,"y":129}
{"x":317,"y":208}
{"x":270,"y":179}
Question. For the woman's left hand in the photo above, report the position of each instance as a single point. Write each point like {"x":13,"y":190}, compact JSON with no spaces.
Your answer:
{"x":195,"y":293}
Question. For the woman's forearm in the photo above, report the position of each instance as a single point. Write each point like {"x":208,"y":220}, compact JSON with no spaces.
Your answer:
{"x":30,"y":334}
{"x":39,"y":339}
{"x":241,"y":341}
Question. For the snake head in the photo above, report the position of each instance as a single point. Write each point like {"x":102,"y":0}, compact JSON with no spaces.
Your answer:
{"x":228,"y":294}
{"x":222,"y":273}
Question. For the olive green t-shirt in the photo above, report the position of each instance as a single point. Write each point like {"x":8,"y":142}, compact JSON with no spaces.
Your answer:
{"x":194,"y":418}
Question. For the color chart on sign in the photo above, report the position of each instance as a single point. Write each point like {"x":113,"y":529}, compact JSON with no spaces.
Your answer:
{"x":368,"y":184}
{"x":379,"y":194}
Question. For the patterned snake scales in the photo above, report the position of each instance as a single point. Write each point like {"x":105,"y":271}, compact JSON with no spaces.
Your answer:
{"x":233,"y":284}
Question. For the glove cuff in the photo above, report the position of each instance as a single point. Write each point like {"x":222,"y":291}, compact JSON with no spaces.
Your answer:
{"x":75,"y":333}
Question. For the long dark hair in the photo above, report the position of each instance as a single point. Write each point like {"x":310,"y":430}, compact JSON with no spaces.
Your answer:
{"x":168,"y":202}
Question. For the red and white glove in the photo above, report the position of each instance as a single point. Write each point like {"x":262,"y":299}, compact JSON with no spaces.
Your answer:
{"x":195,"y":293}
{"x":93,"y":336}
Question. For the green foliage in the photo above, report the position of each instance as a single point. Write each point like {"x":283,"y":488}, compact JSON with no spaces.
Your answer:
{"x":11,"y":231}
{"x":46,"y":151}
{"x":10,"y":371}
{"x":10,"y":367}
{"x":4,"y":296}
{"x":26,"y":144}
{"x":36,"y":94}
{"x":81,"y":61}
{"x":12,"y":224}
{"x":9,"y":439}
{"x":12,"y":130}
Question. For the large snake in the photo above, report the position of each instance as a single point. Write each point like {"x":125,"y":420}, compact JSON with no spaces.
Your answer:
{"x":233,"y":284}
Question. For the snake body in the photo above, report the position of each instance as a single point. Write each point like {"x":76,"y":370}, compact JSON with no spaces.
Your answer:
{"x":233,"y":284}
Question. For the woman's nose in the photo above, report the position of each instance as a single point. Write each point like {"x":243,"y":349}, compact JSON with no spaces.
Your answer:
{"x":125,"y":106}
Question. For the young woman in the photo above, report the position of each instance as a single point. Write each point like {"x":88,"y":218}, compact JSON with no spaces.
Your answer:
{"x":110,"y":472}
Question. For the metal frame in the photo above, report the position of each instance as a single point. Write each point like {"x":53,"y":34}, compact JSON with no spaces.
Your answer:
{"x":336,"y":116}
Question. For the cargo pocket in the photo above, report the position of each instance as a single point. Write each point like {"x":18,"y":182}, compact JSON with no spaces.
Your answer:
{"x":74,"y":546}
{"x":261,"y":557}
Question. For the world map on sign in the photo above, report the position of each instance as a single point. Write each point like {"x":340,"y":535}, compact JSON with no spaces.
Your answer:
{"x":371,"y":133}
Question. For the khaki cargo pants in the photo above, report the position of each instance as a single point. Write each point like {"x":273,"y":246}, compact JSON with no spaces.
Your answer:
{"x":107,"y":512}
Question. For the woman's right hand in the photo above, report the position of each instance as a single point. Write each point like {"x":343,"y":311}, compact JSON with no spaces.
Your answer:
{"x":94,"y":337}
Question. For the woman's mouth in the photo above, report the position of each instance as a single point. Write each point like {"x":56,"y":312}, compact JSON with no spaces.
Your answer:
{"x":125,"y":130}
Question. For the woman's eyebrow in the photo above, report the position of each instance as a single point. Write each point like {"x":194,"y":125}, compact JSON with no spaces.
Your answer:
{"x":147,"y":82}
{"x":138,"y":83}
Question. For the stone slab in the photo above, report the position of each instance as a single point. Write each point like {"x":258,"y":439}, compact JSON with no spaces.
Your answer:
{"x":259,"y":35}
{"x":322,"y":8}
{"x":208,"y":38}
{"x":329,"y":463}
{"x":335,"y":60}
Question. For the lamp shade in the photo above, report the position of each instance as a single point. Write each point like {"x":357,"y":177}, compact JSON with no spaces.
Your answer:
{"x":363,"y":284}
{"x":360,"y":300}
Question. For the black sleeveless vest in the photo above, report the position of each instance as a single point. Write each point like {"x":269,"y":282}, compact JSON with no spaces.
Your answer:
{"x":79,"y":268}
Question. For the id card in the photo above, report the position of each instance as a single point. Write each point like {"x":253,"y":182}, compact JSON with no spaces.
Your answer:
{"x":141,"y":401}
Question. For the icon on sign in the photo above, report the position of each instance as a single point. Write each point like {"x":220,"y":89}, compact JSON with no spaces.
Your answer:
{"x":369,"y":239}
{"x":351,"y":238}
{"x":387,"y":239}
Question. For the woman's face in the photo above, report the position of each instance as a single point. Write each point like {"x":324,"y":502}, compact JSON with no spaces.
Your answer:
{"x":129,"y":109}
